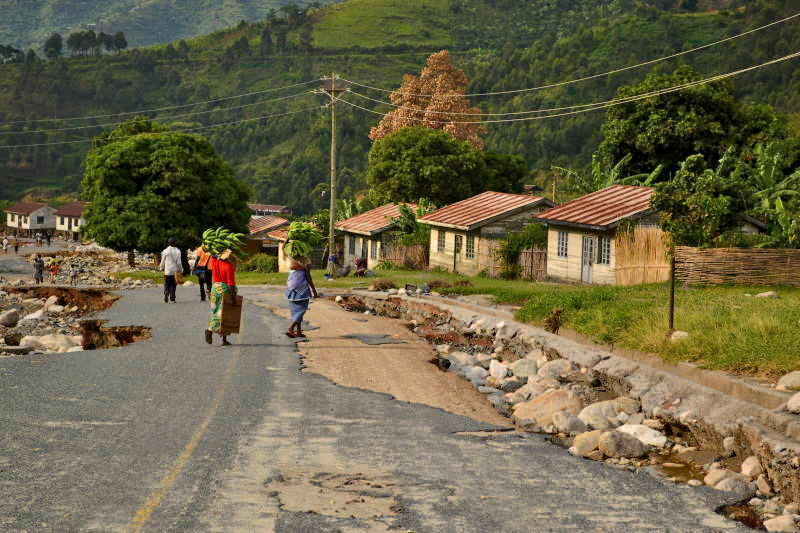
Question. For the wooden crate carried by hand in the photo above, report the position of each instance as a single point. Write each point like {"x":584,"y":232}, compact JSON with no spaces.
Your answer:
{"x":231,"y":314}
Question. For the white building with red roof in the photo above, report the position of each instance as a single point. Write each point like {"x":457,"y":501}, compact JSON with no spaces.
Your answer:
{"x":70,"y":221}
{"x":365,"y":234}
{"x":27,"y":218}
{"x":580,"y":235}
{"x":460,"y":229}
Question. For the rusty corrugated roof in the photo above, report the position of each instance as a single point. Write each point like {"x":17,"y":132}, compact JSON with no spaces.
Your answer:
{"x":266,"y":223}
{"x":75,"y":209}
{"x":601,"y":209}
{"x":482,"y":209}
{"x":372,"y":221}
{"x":279,"y":234}
{"x":25,"y":208}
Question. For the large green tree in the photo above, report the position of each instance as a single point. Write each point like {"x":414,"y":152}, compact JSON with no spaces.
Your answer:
{"x":666,"y":129}
{"x":147,"y":184}
{"x":418,"y":162}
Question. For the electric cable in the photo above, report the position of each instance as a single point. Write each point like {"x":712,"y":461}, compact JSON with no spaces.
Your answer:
{"x":593,"y":76}
{"x":142,"y":111}
{"x":195,"y":113}
{"x":599,"y":106}
{"x":188,"y":130}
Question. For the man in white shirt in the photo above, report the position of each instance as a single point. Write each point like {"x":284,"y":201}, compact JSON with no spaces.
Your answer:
{"x":170,"y":264}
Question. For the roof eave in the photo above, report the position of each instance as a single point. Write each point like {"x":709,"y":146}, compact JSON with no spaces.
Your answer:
{"x":489,"y":220}
{"x":597,"y":227}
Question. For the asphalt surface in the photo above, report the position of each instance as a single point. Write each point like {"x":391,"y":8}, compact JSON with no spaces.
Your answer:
{"x":171,"y":434}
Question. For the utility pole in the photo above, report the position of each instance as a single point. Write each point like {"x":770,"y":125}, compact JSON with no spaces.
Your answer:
{"x":332,"y":90}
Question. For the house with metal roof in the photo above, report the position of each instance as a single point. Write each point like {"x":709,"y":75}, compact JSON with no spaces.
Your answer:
{"x":460,"y":230}
{"x":365,"y":234}
{"x":27,"y":218}
{"x":260,"y":210}
{"x":70,"y":221}
{"x":580,"y":235}
{"x":259,"y":227}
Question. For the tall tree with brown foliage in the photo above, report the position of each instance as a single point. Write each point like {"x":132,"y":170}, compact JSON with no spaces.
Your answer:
{"x":432,"y":101}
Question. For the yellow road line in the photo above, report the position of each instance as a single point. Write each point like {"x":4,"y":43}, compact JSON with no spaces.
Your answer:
{"x":143,"y":514}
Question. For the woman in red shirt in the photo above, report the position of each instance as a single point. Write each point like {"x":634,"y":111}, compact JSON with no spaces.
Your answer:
{"x":223,"y":273}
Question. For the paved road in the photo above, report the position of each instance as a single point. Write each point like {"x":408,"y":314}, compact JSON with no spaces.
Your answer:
{"x":173,"y":435}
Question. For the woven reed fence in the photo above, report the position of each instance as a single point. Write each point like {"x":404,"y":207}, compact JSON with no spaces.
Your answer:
{"x":532,"y":261}
{"x":641,"y":256}
{"x":740,"y":266}
{"x":414,"y":256}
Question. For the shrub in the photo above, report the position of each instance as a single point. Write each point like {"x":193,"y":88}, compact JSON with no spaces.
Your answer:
{"x":438,"y":284}
{"x":385,"y":265}
{"x":534,"y":235}
{"x":261,"y":263}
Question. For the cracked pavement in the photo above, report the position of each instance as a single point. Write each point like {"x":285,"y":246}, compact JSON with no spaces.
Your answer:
{"x":171,"y":434}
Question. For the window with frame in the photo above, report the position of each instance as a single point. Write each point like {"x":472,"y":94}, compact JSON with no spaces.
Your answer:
{"x":440,"y":241}
{"x":373,"y":249}
{"x":62,"y":221}
{"x":470,"y":246}
{"x":563,"y":241}
{"x":603,"y":250}
{"x":40,"y":220}
{"x":351,"y":248}
{"x":364,"y":245}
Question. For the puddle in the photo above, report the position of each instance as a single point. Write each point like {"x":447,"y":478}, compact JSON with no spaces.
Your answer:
{"x":373,"y":339}
{"x":333,"y":494}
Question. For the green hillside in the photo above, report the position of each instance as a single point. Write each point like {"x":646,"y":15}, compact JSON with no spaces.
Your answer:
{"x":27,"y":23}
{"x":501,"y":45}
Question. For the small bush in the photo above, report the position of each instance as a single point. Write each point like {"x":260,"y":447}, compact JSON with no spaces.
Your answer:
{"x":261,"y":263}
{"x":438,"y":284}
{"x":385,"y":265}
{"x":463,"y":283}
{"x":383,"y":284}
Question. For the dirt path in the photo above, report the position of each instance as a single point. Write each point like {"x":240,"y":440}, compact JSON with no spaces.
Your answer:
{"x":403,"y":370}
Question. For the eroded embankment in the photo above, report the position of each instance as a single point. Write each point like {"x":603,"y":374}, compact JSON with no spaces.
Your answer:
{"x":605,"y":407}
{"x":52,"y":319}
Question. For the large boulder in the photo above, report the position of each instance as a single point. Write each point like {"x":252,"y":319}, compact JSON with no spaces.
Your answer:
{"x":56,"y":342}
{"x":596,"y":415}
{"x":751,"y":467}
{"x":617,"y":444}
{"x":524,"y":368}
{"x":498,"y":370}
{"x":35,"y":316}
{"x":555,"y":369}
{"x":716,"y":475}
{"x":743,"y":488}
{"x":586,"y":443}
{"x":793,"y":405}
{"x":646,"y":435}
{"x":782,"y":524}
{"x":31,"y":341}
{"x":790,"y":381}
{"x":623,"y":404}
{"x":538,"y":413}
{"x":568,"y":423}
{"x":462,"y":358}
{"x":10,"y":318}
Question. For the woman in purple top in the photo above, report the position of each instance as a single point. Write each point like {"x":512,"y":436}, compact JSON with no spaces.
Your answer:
{"x":299,"y":290}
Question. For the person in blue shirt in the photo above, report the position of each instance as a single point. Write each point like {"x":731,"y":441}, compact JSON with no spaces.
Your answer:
{"x":299,"y":290}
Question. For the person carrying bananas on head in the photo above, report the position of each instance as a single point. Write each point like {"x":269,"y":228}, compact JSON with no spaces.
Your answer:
{"x":222,"y":245}
{"x":299,"y":285}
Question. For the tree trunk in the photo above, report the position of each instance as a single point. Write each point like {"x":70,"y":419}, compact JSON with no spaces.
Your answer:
{"x":131,"y":259}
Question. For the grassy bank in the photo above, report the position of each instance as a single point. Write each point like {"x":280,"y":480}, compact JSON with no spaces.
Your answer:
{"x":728,"y":330}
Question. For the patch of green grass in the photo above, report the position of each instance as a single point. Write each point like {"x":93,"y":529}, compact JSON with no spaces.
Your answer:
{"x":378,"y":23}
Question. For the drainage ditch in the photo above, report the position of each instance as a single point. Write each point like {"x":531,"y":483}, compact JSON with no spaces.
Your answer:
{"x":695,"y":451}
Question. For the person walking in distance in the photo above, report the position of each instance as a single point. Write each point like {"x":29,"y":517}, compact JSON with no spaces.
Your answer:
{"x":16,"y":245}
{"x":223,"y":273}
{"x":5,"y":245}
{"x":299,"y":290}
{"x":170,"y":264}
{"x":202,"y":269}
{"x":38,"y":269}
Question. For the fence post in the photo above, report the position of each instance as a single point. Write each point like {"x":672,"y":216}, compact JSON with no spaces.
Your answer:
{"x":672,"y":294}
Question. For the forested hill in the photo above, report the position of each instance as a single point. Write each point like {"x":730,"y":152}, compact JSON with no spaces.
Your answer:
{"x":27,"y":23}
{"x":501,"y":44}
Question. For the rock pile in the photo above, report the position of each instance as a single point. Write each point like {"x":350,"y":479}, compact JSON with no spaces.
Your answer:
{"x":96,"y":267}
{"x":38,"y":325}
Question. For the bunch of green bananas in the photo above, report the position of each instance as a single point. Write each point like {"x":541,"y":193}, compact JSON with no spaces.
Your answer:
{"x":303,"y":237}
{"x":217,"y":240}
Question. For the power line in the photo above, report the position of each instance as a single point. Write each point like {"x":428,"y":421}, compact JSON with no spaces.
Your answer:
{"x":162,"y":118}
{"x":601,"y":105}
{"x":188,"y":130}
{"x":593,"y":76}
{"x":141,"y":111}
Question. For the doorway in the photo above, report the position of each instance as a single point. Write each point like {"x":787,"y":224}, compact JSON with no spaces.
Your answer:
{"x":587,"y":259}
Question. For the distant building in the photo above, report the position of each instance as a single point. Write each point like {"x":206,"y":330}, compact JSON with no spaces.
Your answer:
{"x":580,"y":236}
{"x":70,"y":221}
{"x":260,"y":210}
{"x":27,"y":218}
{"x":459,"y":230}
{"x":365,"y":234}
